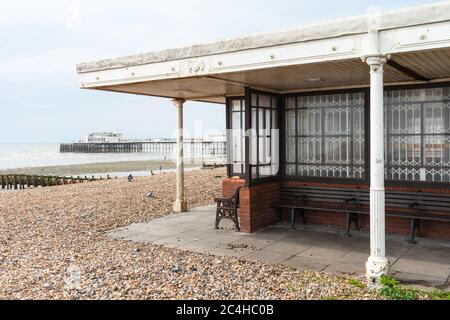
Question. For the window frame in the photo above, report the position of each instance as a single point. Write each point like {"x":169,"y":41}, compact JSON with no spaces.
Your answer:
{"x":410,"y":183}
{"x":354,"y":181}
{"x":246,"y":98}
{"x":362,"y":183}
{"x":229,"y":121}
{"x":277,"y":107}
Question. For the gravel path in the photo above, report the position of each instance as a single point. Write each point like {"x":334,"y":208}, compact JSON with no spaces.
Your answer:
{"x":53,"y":246}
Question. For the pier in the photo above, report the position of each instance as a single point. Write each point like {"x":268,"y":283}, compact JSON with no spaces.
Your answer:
{"x":204,"y":152}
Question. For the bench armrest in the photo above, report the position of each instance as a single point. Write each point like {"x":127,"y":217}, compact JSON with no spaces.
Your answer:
{"x":222,"y":199}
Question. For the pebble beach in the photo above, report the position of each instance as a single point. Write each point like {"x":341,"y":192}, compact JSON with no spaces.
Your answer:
{"x":53,"y":245}
{"x":124,"y":167}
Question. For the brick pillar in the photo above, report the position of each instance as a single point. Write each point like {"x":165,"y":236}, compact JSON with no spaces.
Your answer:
{"x":255,"y":210}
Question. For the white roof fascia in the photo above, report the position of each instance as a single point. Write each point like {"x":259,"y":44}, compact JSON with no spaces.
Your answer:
{"x":419,"y":28}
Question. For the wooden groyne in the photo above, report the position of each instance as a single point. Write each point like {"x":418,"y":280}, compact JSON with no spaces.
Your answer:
{"x":21,"y":181}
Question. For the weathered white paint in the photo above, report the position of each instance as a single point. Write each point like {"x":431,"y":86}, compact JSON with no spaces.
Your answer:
{"x":403,"y":39}
{"x":377,"y":264}
{"x":347,"y":47}
{"x":391,"y":20}
{"x":180,"y":203}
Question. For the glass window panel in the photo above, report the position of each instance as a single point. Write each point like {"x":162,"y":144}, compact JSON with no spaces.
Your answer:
{"x":337,"y":150}
{"x":437,"y":118}
{"x":404,"y":150}
{"x":236,"y":105}
{"x":418,"y":134}
{"x":261,"y":122}
{"x":310,"y":150}
{"x":254,"y":172}
{"x":236,"y":137}
{"x":254,"y":146}
{"x":237,"y":168}
{"x":290,"y":103}
{"x":274,"y":119}
{"x":437,"y":151}
{"x":264,"y":147}
{"x":264,"y":171}
{"x":290,"y":169}
{"x":263,"y":151}
{"x":254,"y":100}
{"x":268,"y":123}
{"x":236,"y":120}
{"x":264,"y":101}
{"x":330,"y":136}
{"x":336,"y":121}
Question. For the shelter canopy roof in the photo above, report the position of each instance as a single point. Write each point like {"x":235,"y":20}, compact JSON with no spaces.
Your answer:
{"x":325,"y":55}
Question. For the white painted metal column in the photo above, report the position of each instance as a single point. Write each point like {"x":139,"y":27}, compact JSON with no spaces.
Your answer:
{"x":377,"y":264}
{"x":180,"y":203}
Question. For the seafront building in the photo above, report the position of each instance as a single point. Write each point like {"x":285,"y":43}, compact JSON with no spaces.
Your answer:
{"x":98,"y":137}
{"x":361,"y":103}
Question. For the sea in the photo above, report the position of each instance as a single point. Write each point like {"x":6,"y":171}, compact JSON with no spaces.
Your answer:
{"x":25,"y":155}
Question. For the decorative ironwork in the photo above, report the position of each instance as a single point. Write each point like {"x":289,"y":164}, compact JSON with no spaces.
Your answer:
{"x":418,"y":134}
{"x":227,"y":208}
{"x":328,"y":138}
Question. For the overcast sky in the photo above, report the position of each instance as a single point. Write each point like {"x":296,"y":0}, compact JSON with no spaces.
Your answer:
{"x":42,"y":41}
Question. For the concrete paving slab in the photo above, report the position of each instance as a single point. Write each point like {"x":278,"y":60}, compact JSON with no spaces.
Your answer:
{"x":204,"y":246}
{"x":271,"y":235}
{"x":306,"y":248}
{"x":427,"y":268}
{"x":172,"y":242}
{"x":231,"y":251}
{"x":181,"y":239}
{"x":438,"y":253}
{"x":143,"y":237}
{"x":324,"y":253}
{"x":269,"y":257}
{"x":352,"y":269}
{"x":286,"y":245}
{"x":421,"y":281}
{"x":354,"y":257}
{"x":256,"y":244}
{"x":307,"y":264}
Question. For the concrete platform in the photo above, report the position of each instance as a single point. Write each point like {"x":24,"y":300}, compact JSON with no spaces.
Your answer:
{"x":426,"y":264}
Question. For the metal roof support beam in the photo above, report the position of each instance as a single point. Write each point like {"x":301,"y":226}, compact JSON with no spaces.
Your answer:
{"x":407,"y":71}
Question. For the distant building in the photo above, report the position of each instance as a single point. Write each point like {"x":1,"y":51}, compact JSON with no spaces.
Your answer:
{"x":97,"y":137}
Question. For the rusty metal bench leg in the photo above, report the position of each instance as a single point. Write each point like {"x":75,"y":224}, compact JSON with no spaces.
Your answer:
{"x":292,"y":218}
{"x":234,"y":218}
{"x":352,"y":218}
{"x":302,"y":212}
{"x":218,"y":218}
{"x":415,"y":225}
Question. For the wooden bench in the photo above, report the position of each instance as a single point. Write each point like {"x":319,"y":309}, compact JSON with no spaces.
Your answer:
{"x":416,"y":206}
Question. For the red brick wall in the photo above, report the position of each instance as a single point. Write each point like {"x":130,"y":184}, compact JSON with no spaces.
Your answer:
{"x":255,"y":212}
{"x":429,"y":229}
{"x":229,"y":186}
{"x":262,"y":196}
{"x":255,"y":203}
